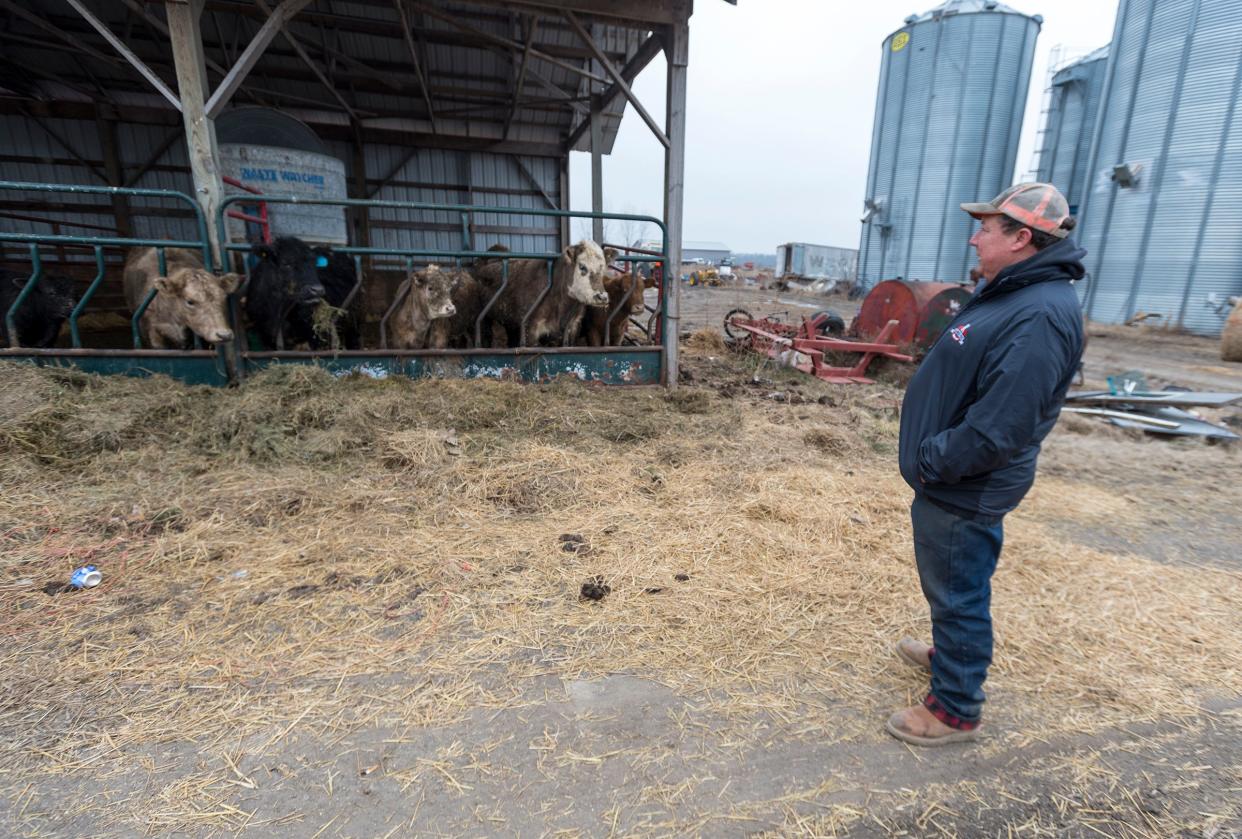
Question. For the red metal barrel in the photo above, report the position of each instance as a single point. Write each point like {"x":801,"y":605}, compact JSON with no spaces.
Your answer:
{"x":922,"y":311}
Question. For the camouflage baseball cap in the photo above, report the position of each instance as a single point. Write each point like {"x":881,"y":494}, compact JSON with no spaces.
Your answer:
{"x":1039,"y":206}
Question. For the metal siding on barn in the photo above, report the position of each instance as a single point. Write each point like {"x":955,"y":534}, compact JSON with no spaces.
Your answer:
{"x":449,"y":177}
{"x":953,"y":86}
{"x":1164,"y":245}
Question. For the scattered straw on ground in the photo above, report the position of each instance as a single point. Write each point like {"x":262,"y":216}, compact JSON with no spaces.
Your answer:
{"x":320,"y":554}
{"x":707,"y":339}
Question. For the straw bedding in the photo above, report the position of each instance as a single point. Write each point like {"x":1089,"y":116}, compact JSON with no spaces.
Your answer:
{"x":331,"y":553}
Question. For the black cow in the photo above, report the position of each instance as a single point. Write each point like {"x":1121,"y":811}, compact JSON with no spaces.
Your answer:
{"x":283,"y":292}
{"x":336,"y":274}
{"x":41,"y":315}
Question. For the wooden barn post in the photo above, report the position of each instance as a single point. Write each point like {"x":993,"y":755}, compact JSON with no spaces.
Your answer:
{"x":200,"y":129}
{"x":677,"y":49}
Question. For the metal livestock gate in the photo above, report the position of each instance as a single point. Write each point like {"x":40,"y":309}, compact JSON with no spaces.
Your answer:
{"x":438,"y":109}
{"x":230,"y":362}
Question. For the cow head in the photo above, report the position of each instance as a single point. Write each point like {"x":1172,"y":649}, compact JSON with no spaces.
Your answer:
{"x":40,"y":317}
{"x":294,"y":264}
{"x":200,"y":301}
{"x":433,"y":291}
{"x":620,"y":285}
{"x":51,"y":298}
{"x":588,"y":263}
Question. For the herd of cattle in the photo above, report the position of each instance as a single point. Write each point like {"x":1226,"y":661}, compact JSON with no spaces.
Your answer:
{"x":303,"y":297}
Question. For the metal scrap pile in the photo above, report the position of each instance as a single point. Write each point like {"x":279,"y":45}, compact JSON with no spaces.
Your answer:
{"x":1129,"y":404}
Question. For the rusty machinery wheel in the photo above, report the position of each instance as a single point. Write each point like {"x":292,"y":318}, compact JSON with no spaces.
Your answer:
{"x":738,"y":336}
{"x":833,"y":325}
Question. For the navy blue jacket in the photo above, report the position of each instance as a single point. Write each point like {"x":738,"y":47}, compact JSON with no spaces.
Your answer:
{"x":991,"y":386}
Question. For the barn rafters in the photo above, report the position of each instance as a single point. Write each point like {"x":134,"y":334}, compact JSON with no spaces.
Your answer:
{"x":496,"y":92}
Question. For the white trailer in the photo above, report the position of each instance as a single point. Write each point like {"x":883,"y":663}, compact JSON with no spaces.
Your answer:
{"x":799,"y":260}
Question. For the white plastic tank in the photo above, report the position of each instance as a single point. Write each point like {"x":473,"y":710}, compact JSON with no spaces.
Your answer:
{"x":276,"y":154}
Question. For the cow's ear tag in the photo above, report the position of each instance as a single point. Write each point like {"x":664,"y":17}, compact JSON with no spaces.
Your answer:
{"x":321,"y":262}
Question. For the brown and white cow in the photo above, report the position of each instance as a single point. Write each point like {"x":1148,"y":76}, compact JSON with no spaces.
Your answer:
{"x":439,"y":310}
{"x":577,"y":283}
{"x":190,"y":300}
{"x":595,"y":329}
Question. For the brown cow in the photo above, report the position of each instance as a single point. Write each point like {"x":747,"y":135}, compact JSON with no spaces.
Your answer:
{"x":439,"y":310}
{"x":457,"y":330}
{"x":577,"y":282}
{"x":595,"y":324}
{"x":190,"y":300}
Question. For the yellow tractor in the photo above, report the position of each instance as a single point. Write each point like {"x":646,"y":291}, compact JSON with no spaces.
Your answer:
{"x":706,"y":276}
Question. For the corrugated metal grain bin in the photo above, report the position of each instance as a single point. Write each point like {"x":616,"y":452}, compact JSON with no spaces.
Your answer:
{"x":1162,"y":216}
{"x":953,"y":85}
{"x":816,"y":262}
{"x":1072,"y":111}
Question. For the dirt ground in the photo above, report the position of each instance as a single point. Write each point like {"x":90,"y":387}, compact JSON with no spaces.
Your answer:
{"x":350,"y":608}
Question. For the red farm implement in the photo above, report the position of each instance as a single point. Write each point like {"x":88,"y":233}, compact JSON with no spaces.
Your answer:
{"x":804,"y":345}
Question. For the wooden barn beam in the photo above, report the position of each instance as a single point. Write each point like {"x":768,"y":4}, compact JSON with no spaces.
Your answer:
{"x":376,"y":131}
{"x":115,"y":172}
{"x":646,"y":51}
{"x":418,"y":65}
{"x":126,"y":53}
{"x":385,"y":29}
{"x":617,"y":78}
{"x":153,"y":158}
{"x":525,"y":170}
{"x":51,"y":29}
{"x":677,"y":45}
{"x":392,"y":81}
{"x":250,"y":56}
{"x":308,"y":61}
{"x":504,"y":42}
{"x":597,"y":168}
{"x":519,"y":78}
{"x":611,"y":12}
{"x":200,"y":129}
{"x":64,"y":144}
{"x":160,"y":29}
{"x":392,"y":173}
{"x":362,"y":215}
{"x":563,"y":194}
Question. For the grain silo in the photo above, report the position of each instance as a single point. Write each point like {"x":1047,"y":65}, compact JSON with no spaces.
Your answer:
{"x":953,"y":85}
{"x":1074,"y":103}
{"x":1161,"y":217}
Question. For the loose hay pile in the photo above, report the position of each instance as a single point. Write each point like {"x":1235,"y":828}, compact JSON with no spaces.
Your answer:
{"x":330,"y":554}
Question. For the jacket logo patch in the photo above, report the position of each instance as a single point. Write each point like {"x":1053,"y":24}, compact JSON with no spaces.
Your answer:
{"x":959,"y":333}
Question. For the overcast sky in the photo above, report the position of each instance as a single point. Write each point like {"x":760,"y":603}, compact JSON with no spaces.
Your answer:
{"x":782,"y":95}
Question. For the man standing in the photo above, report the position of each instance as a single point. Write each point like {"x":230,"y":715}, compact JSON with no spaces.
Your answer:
{"x":974,"y":415}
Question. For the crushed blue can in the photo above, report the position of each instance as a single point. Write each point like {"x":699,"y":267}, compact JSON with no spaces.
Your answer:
{"x":88,"y":576}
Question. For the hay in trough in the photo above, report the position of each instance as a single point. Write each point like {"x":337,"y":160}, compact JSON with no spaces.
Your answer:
{"x":323,"y":554}
{"x":324,"y":319}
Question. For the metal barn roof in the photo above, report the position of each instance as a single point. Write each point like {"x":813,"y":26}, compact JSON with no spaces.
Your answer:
{"x":456,"y":74}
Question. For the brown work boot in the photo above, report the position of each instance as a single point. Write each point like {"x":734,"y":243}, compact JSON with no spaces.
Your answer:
{"x":919,"y":726}
{"x":914,"y":652}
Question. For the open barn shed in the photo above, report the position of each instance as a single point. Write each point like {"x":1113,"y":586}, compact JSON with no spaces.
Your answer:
{"x":400,"y":132}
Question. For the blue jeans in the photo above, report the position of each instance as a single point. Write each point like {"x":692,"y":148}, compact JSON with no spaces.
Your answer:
{"x":956,"y":557}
